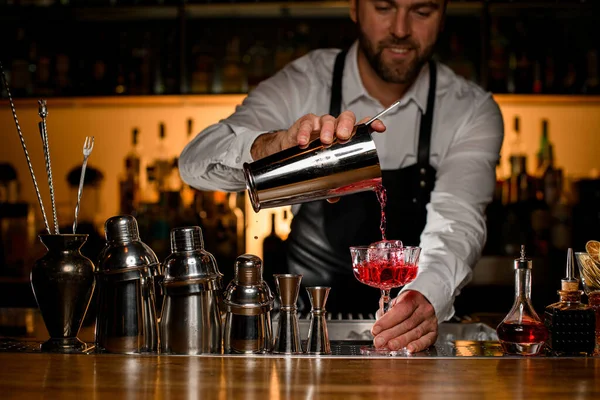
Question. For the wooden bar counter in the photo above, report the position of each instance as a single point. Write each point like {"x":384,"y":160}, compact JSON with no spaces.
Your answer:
{"x":102,"y":376}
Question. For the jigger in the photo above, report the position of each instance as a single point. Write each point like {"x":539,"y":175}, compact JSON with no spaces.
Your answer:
{"x":287,"y":340}
{"x":318,"y":338}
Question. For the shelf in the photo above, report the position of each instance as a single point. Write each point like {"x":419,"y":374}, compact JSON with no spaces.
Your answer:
{"x":310,"y":9}
{"x":316,"y":9}
{"x":230,"y":99}
{"x":289,"y":9}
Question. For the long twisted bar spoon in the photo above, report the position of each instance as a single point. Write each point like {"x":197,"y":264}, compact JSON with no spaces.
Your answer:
{"x":35,"y":185}
{"x":43,"y":113}
{"x":88,"y":146}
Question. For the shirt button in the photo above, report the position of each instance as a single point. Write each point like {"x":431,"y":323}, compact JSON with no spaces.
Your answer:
{"x":423,"y":183}
{"x":423,"y":171}
{"x":238,"y":159}
{"x":414,"y":199}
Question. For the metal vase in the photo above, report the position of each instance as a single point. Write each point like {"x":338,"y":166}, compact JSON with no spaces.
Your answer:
{"x":63,"y":283}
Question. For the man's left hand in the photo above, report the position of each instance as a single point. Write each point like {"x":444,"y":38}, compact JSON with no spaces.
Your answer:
{"x":410,"y":322}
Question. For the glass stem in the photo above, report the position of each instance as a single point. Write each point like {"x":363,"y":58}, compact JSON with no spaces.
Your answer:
{"x":384,"y":301}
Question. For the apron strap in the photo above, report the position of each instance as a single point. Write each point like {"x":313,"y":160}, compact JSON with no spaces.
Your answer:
{"x":335,"y":105}
{"x":427,"y":120}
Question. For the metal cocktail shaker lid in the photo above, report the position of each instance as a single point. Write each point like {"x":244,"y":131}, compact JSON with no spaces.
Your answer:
{"x":248,"y":293}
{"x":121,"y":228}
{"x":124,"y":251}
{"x":188,"y":238}
{"x":189,"y":263}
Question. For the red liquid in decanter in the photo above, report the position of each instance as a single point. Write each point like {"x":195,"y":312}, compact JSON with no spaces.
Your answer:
{"x":526,"y":333}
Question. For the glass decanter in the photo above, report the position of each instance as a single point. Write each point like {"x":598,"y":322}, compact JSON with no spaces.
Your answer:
{"x":522,"y":332}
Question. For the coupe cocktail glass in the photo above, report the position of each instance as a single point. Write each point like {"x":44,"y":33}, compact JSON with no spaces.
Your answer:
{"x":385,"y":268}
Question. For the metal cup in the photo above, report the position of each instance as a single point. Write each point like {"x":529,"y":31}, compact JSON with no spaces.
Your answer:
{"x":315,"y":172}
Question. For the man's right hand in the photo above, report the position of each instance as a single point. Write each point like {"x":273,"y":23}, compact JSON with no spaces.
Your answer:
{"x":307,"y":128}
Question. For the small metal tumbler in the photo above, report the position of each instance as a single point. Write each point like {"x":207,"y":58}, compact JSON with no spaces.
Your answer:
{"x":248,"y":303}
{"x":317,"y":171}
{"x":287,"y":340}
{"x":318,"y":338}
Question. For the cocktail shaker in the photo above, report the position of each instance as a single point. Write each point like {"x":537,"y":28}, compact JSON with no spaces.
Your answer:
{"x":63,"y":283}
{"x":191,"y":319}
{"x":248,"y":302}
{"x":317,"y":171}
{"x":126,"y":321}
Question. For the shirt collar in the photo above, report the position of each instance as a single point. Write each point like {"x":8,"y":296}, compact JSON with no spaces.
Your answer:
{"x":353,"y":88}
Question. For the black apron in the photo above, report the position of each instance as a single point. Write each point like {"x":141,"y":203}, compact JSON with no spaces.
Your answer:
{"x":322,"y":233}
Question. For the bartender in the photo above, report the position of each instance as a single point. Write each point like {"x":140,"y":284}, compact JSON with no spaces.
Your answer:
{"x":438,"y":156}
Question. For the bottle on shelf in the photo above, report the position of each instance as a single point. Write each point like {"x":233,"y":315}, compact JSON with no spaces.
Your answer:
{"x":273,"y":253}
{"x":162,"y":162}
{"x":187,"y":192}
{"x":522,"y":332}
{"x":130,"y":182}
{"x":259,"y":64}
{"x":498,"y":59}
{"x":592,"y":81}
{"x":203,"y":65}
{"x":571,"y":324}
{"x":233,"y":74}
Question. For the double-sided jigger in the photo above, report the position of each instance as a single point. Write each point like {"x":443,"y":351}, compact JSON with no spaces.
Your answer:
{"x":318,"y":338}
{"x":287,"y":340}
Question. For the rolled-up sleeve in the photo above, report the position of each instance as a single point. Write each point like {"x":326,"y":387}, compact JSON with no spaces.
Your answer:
{"x":455,"y":231}
{"x":213,"y":160}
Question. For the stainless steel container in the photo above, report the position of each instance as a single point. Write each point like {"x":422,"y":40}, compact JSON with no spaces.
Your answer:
{"x":318,"y":337}
{"x":126,"y":320}
{"x":191,"y":319}
{"x":248,"y":302}
{"x":317,"y":171}
{"x":287,"y":338}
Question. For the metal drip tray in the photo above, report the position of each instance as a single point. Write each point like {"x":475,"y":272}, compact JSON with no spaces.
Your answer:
{"x":347,"y":336}
{"x":459,"y":348}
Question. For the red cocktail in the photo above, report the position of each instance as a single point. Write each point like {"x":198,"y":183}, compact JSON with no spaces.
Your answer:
{"x":385,"y":265}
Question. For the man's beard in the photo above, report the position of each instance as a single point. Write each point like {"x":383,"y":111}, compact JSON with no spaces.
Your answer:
{"x":403,"y":72}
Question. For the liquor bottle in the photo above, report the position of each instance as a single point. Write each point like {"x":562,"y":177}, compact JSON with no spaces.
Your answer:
{"x":162,"y":163}
{"x":273,"y":253}
{"x":571,"y":324}
{"x":20,"y":76}
{"x":203,"y":63}
{"x":592,"y":82}
{"x":234,"y":77}
{"x":259,"y":64}
{"x":187,"y":192}
{"x":522,"y":332}
{"x":498,"y":59}
{"x":130,"y":182}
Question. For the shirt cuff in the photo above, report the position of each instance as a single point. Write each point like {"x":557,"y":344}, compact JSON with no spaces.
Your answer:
{"x":239,"y":151}
{"x":431,"y":285}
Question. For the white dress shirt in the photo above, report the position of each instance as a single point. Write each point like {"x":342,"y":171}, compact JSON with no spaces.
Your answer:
{"x":465,"y":145}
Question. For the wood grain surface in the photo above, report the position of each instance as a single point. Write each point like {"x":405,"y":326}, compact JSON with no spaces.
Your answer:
{"x":24,"y":376}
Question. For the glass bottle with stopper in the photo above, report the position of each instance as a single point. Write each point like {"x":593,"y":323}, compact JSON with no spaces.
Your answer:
{"x":571,"y":324}
{"x":522,"y":332}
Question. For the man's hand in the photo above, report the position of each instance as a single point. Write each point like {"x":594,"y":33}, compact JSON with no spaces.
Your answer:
{"x":410,"y":322}
{"x":305,"y":129}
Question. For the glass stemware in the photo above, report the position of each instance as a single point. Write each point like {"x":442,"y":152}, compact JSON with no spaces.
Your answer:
{"x":385,"y":268}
